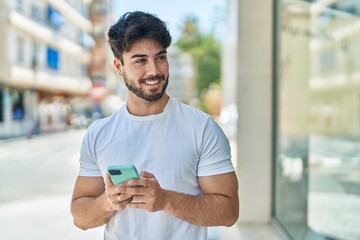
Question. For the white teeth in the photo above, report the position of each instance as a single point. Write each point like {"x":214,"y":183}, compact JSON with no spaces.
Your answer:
{"x":152,"y":82}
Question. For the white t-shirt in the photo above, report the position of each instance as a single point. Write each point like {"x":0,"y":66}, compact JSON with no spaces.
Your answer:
{"x":177,"y":146}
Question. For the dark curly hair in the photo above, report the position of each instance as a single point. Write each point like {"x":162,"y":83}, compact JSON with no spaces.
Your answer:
{"x":133,"y":26}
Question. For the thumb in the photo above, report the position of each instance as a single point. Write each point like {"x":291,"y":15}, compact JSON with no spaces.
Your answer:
{"x":107,"y":180}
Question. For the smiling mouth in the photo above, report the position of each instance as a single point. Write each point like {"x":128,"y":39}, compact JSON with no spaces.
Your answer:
{"x":153,"y":80}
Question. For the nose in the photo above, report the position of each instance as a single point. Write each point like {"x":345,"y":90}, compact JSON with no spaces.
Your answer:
{"x":152,"y":68}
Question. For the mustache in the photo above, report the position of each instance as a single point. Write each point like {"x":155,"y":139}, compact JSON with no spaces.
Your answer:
{"x":156,"y":77}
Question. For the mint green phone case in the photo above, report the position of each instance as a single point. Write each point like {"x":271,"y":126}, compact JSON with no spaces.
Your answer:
{"x":122,"y":173}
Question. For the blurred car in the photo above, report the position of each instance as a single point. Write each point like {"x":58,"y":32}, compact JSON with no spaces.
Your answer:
{"x":229,"y":119}
{"x":80,"y":120}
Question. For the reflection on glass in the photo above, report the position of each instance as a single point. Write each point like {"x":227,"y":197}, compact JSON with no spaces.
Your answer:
{"x":334,"y":193}
{"x":318,"y":152}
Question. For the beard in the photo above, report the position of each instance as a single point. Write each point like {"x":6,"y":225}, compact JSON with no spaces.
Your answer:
{"x":140,"y":93}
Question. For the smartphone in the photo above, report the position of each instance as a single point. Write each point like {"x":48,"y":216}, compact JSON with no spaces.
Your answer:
{"x":122,"y":173}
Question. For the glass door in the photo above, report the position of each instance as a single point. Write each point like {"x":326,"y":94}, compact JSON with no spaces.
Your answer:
{"x":317,"y":153}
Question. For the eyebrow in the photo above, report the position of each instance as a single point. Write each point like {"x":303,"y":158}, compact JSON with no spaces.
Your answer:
{"x":144,"y":55}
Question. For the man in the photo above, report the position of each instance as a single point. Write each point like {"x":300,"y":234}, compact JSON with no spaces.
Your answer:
{"x":187,"y":179}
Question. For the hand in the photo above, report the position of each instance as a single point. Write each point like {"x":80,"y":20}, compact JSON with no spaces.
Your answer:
{"x":116,"y":200}
{"x":150,"y":196}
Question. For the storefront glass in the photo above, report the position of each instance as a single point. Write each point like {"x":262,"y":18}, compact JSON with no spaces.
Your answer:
{"x":317,"y":173}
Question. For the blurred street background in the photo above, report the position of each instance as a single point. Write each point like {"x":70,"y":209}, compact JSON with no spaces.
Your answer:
{"x":281,"y":77}
{"x":36,"y":180}
{"x":56,"y":78}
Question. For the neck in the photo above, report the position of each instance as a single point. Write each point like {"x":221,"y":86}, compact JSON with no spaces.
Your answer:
{"x":141,"y":107}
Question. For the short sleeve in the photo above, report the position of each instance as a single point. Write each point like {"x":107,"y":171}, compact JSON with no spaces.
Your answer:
{"x":88,"y":162}
{"x":215,"y":152}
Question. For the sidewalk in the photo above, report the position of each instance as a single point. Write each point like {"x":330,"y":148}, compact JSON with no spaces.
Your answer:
{"x":42,"y":218}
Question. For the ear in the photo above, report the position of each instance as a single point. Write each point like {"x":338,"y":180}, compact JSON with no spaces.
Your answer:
{"x":118,"y":67}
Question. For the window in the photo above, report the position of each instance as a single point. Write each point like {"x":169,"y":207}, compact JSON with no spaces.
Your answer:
{"x":20,"y":49}
{"x":19,"y":5}
{"x":54,"y":18}
{"x":327,"y":58}
{"x":36,"y":13}
{"x":35,"y":60}
{"x":317,"y":153}
{"x":52,"y":58}
{"x":17,"y":105}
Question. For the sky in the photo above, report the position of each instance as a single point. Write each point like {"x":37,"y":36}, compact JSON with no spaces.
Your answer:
{"x":174,"y":12}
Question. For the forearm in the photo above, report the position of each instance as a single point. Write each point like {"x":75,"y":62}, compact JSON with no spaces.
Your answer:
{"x":203,"y":210}
{"x":90,"y":212}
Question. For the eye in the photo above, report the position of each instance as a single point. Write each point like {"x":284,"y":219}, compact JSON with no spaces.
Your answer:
{"x":140,"y":60}
{"x":161,"y":58}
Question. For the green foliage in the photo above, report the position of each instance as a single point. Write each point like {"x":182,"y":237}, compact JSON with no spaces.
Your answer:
{"x":205,"y":50}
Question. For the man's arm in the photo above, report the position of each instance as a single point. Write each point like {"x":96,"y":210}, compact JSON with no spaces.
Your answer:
{"x":95,"y":202}
{"x":217,"y":206}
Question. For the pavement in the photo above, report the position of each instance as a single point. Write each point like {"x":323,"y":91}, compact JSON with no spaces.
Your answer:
{"x":40,"y":219}
{"x":44,"y":218}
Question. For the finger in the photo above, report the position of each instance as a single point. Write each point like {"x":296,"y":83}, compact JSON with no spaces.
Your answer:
{"x":119,"y":205}
{"x":144,"y":181}
{"x":107,"y":180}
{"x":138,"y":199}
{"x":145,"y":174}
{"x":139,"y":182}
{"x":131,"y":190}
{"x":137,"y":205}
{"x":123,"y":198}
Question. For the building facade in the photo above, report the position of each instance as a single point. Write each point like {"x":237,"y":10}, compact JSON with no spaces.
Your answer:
{"x":105,"y":85}
{"x":182,"y":79}
{"x":297,"y":75}
{"x":44,"y":56}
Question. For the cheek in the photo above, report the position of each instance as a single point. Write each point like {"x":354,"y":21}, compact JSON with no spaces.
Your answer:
{"x":137,"y":75}
{"x":134,"y":73}
{"x":164,"y":69}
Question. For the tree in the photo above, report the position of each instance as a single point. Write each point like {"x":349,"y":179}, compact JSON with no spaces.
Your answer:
{"x":205,"y":50}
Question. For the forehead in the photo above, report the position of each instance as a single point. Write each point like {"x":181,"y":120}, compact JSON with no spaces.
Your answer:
{"x":144,"y":46}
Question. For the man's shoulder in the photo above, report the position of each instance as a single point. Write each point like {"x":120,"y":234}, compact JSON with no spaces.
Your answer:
{"x":99,"y":123}
{"x":189,"y":110}
{"x":104,"y":123}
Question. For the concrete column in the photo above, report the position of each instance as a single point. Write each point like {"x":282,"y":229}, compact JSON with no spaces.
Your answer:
{"x":254,"y":101}
{"x":229,"y":58}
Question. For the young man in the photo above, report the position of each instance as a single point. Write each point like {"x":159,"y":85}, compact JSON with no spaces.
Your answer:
{"x":187,"y":179}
